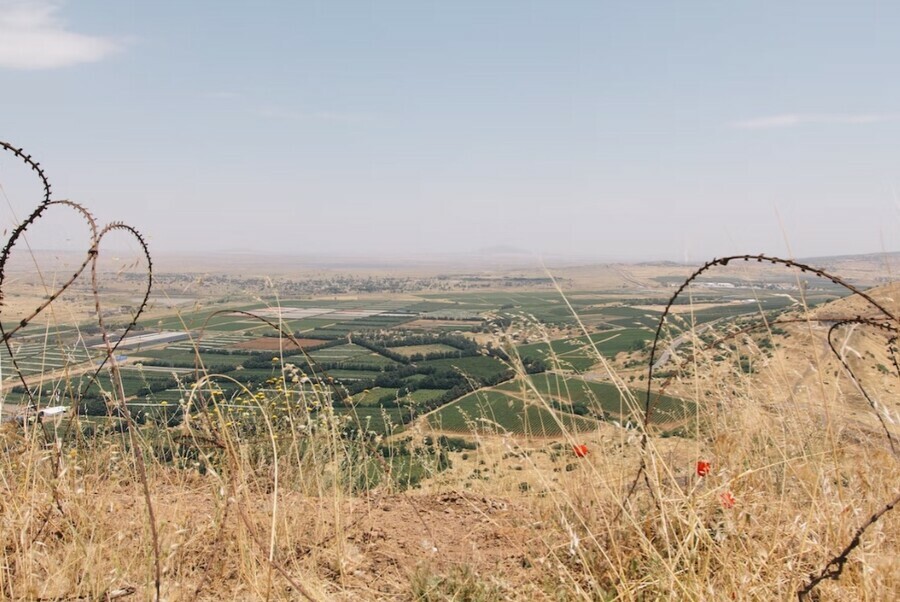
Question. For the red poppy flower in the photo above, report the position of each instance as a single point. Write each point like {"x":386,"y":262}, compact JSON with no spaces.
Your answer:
{"x":703,"y":468}
{"x":580,"y":450}
{"x":728,"y":500}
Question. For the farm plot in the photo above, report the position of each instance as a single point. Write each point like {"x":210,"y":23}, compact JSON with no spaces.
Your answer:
{"x":613,"y":342}
{"x":335,"y":330}
{"x":495,"y":412}
{"x":372,"y":397}
{"x":351,"y":355}
{"x":303,"y":326}
{"x":331,"y":332}
{"x":442,"y":325}
{"x":36,"y":357}
{"x":599,"y":399}
{"x":257,"y":376}
{"x":212,"y":340}
{"x":351,"y":375}
{"x":426,"y":306}
{"x":629,"y":317}
{"x":578,"y":354}
{"x":376,"y":314}
{"x":135,"y":383}
{"x":480,"y":367}
{"x":382,"y":321}
{"x":411,"y":350}
{"x":424,"y":395}
{"x":278,"y":344}
{"x":561,"y":354}
{"x":188,"y":359}
{"x":197,"y":320}
{"x":766,"y":304}
{"x":382,"y":421}
{"x":453,"y":314}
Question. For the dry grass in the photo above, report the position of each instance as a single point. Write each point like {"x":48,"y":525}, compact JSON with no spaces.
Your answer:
{"x":278,"y":505}
{"x":274,"y":500}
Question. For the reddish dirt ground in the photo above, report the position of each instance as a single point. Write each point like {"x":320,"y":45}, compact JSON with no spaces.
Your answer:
{"x":389,"y":540}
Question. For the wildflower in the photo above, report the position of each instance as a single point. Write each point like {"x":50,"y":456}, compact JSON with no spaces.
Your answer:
{"x":703,"y":468}
{"x":727,"y":500}
{"x":580,"y":450}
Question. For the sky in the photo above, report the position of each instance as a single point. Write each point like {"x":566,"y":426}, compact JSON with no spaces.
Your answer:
{"x":585,"y":130}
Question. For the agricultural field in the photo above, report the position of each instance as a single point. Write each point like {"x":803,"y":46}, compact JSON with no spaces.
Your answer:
{"x":214,"y":341}
{"x":382,"y":421}
{"x":204,"y":321}
{"x":371,"y":397}
{"x":182,"y":358}
{"x":258,"y":376}
{"x":351,"y":375}
{"x":286,"y":345}
{"x":136,"y":383}
{"x":38,"y":356}
{"x":427,"y":325}
{"x":460,"y":435}
{"x":496,"y":412}
{"x":420,"y":396}
{"x":479,"y":367}
{"x":251,"y":352}
{"x":423,"y":350}
{"x":578,"y":353}
{"x":599,"y":399}
{"x":628,"y":329}
{"x":351,"y":354}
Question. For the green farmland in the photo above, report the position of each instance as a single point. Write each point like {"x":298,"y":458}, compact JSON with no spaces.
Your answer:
{"x":351,"y":355}
{"x":383,"y":421}
{"x":382,"y":375}
{"x":478,"y":367}
{"x":371,"y":397}
{"x":577,"y":354}
{"x":495,"y":412}
{"x":598,"y":399}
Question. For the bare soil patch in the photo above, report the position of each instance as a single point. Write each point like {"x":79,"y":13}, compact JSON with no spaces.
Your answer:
{"x":396,"y":537}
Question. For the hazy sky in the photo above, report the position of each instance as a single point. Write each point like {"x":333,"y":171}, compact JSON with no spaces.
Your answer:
{"x":629,"y":130}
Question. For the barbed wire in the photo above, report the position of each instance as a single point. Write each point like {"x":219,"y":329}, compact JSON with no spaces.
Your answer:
{"x":832,"y":570}
{"x":91,"y":258}
{"x":889,"y":323}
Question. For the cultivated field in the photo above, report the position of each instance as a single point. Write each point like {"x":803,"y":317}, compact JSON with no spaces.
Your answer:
{"x":468,"y":445}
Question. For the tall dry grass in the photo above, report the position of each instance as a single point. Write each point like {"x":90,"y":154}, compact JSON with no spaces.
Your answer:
{"x":269,"y":498}
{"x":261,"y":502}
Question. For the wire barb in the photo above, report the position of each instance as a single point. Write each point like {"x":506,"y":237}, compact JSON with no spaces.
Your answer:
{"x":887,"y":323}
